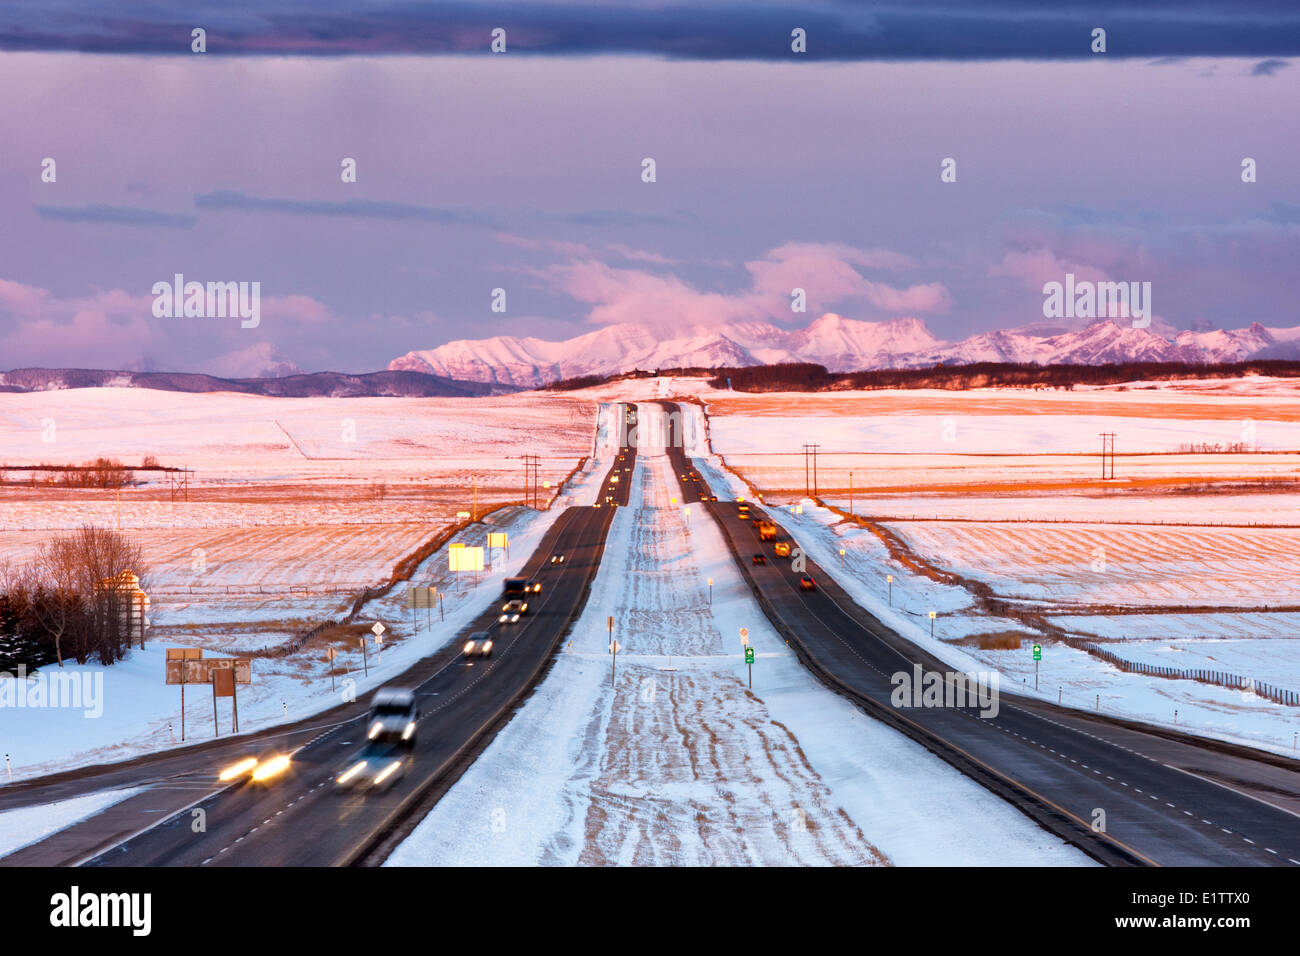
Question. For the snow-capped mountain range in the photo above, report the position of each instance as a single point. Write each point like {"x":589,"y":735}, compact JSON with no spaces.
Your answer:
{"x":838,"y":343}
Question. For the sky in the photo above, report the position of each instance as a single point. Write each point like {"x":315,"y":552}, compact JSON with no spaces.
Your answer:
{"x":523,"y":170}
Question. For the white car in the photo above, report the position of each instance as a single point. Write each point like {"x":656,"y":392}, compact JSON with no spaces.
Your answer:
{"x":377,"y":767}
{"x":479,"y":644}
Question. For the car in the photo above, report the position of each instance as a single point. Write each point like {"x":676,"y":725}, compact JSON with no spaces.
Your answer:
{"x":806,"y":583}
{"x":759,"y":558}
{"x":755,"y":522}
{"x":557,"y":559}
{"x":712,"y":498}
{"x":393,"y":715}
{"x":268,"y":768}
{"x":479,"y":644}
{"x":261,"y":769}
{"x":512,"y":611}
{"x":782,"y":549}
{"x":377,"y":766}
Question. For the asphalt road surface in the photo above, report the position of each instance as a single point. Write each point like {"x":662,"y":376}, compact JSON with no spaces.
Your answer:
{"x":1167,"y":798}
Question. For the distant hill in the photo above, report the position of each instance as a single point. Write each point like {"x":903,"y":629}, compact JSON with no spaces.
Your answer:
{"x":396,"y":383}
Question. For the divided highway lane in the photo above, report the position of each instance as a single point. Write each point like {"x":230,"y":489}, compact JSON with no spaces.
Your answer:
{"x":298,"y":818}
{"x":1168,"y":798}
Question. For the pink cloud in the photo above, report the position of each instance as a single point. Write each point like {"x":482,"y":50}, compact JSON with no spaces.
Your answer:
{"x":827,"y":272}
{"x":108,"y":328}
{"x":1037,"y":266}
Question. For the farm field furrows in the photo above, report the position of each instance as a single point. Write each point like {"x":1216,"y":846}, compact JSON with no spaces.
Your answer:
{"x":1102,"y":565}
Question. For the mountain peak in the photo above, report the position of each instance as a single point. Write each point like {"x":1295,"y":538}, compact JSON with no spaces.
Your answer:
{"x":839,"y":343}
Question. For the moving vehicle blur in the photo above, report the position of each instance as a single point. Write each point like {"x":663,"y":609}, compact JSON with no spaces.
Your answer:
{"x":378,"y":766}
{"x":393,"y":715}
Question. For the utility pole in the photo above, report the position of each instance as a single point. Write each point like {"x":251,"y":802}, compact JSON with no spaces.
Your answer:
{"x":1107,"y":452}
{"x":530,"y":478}
{"x":850,"y":494}
{"x":810,"y":449}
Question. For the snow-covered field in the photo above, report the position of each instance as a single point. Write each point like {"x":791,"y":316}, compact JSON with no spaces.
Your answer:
{"x":1127,"y":565}
{"x":673,"y":760}
{"x":208,"y":572}
{"x":236,"y":437}
{"x":1095,"y":506}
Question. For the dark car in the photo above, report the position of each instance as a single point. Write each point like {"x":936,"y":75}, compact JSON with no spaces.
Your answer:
{"x":479,"y":644}
{"x":807,"y":584}
{"x":759,"y":559}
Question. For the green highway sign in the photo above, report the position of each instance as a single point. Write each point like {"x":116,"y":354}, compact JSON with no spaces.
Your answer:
{"x":749,"y":655}
{"x":1038,"y":652}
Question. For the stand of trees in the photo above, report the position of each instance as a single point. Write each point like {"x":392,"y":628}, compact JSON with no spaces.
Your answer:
{"x":807,"y":377}
{"x":65,"y":603}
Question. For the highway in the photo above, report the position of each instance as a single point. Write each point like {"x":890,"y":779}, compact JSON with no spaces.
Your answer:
{"x":1168,"y":798}
{"x":299,"y":818}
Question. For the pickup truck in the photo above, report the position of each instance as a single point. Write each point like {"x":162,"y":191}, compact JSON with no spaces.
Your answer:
{"x":393,"y":716}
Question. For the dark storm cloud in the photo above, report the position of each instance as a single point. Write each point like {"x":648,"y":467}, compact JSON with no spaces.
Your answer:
{"x":1268,"y":67}
{"x":227,"y":199}
{"x":117,"y":215}
{"x":695,"y":29}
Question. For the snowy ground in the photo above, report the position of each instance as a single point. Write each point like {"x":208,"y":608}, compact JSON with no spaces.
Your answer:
{"x":28,"y":825}
{"x":674,"y":760}
{"x":132,"y":711}
{"x":254,"y":438}
{"x":1066,"y":674}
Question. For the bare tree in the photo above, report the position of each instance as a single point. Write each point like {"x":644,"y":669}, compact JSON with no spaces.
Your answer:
{"x":56,"y":604}
{"x":82,"y":596}
{"x":103,"y":555}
